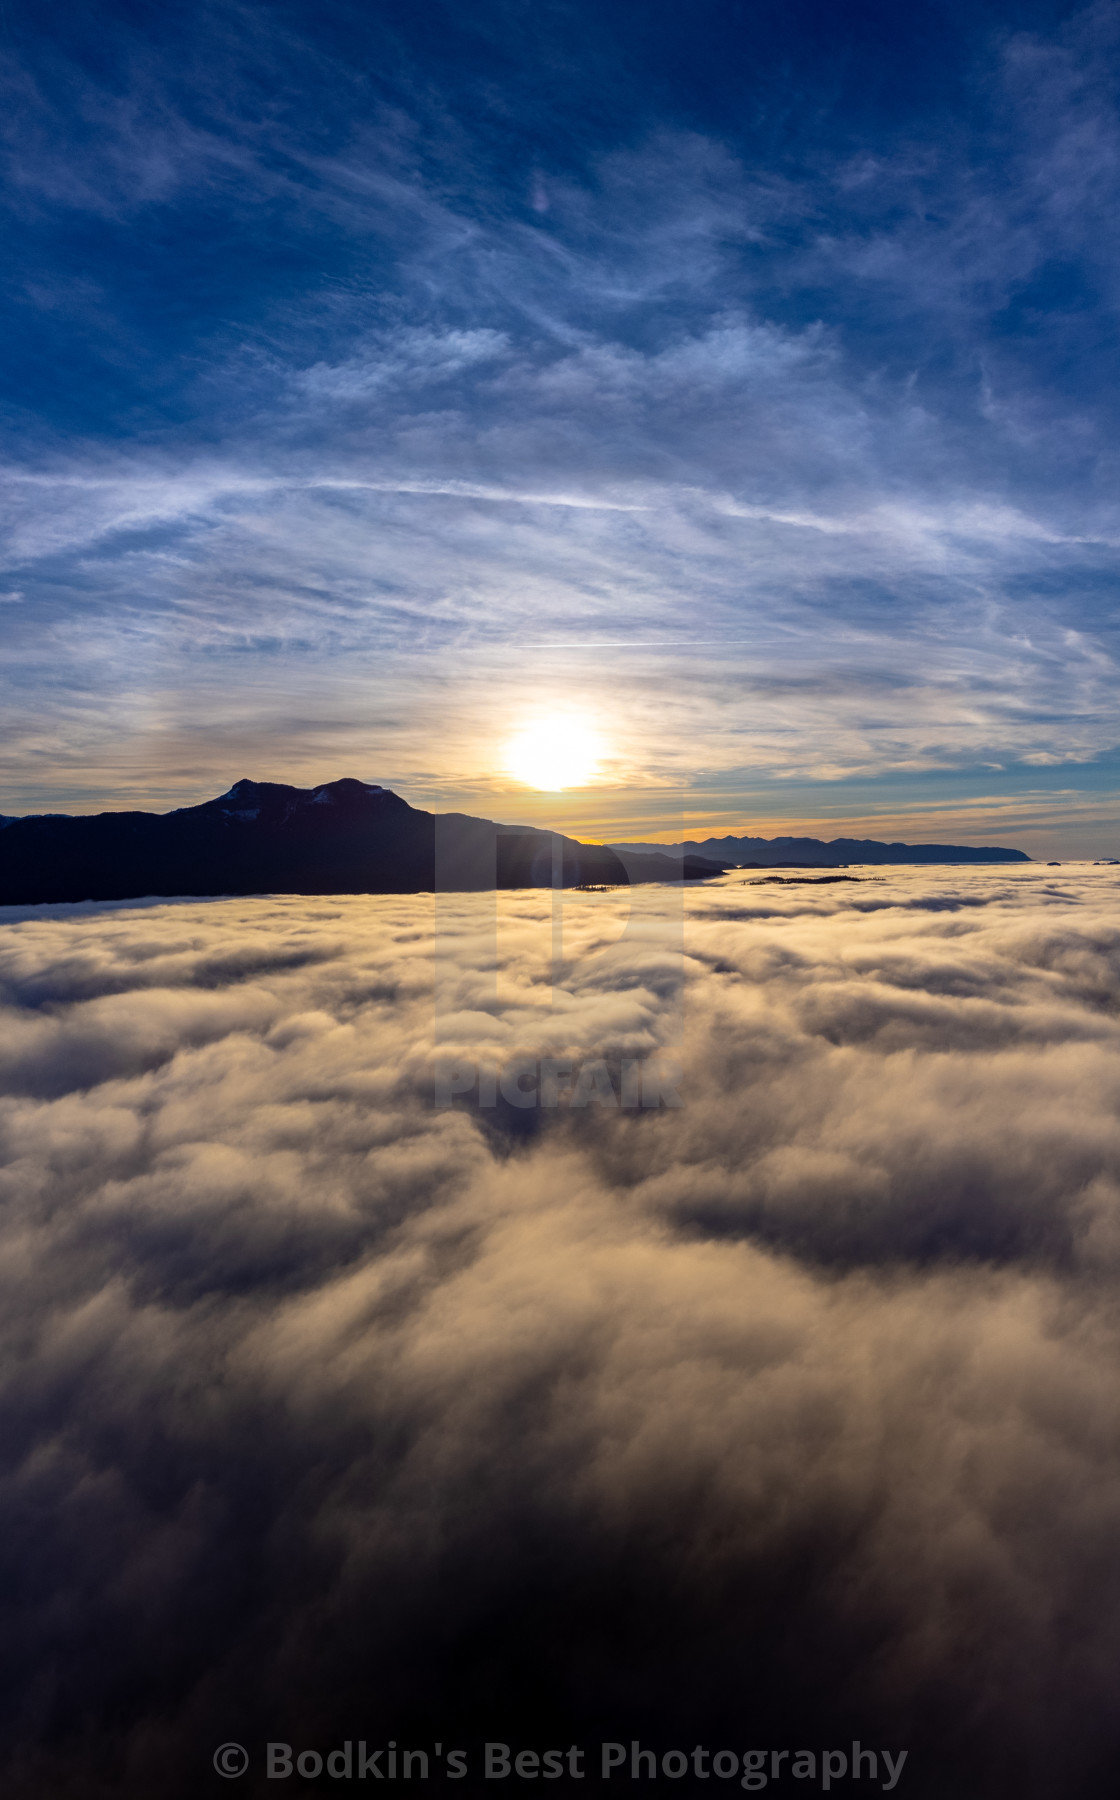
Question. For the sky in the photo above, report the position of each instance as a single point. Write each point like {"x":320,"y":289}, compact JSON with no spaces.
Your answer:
{"x":734,"y":383}
{"x":786,"y":1417}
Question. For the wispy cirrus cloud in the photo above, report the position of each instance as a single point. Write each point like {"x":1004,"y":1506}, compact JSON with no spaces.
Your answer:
{"x":832,"y":405}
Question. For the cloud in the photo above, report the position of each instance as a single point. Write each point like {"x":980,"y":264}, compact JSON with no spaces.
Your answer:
{"x":786,"y":1416}
{"x":849,"y":407}
{"x":415,"y":358}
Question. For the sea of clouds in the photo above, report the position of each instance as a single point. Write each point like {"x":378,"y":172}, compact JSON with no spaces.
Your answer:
{"x":783,"y":1418}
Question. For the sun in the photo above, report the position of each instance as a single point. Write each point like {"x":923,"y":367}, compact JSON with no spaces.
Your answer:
{"x":553,"y":754}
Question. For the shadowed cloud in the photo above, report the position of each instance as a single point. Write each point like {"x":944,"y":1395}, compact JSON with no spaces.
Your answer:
{"x":786,"y":1416}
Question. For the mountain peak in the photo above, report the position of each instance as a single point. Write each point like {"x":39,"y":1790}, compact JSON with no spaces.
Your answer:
{"x":324,"y":793}
{"x":265,"y":837}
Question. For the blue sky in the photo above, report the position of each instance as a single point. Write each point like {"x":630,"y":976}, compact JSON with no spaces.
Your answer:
{"x":741,"y":379}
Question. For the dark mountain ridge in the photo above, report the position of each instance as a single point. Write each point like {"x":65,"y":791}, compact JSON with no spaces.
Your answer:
{"x":808,"y":852}
{"x":342,"y":837}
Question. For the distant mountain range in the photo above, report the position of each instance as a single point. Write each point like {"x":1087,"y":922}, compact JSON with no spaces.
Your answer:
{"x":342,"y":837}
{"x":807,"y":852}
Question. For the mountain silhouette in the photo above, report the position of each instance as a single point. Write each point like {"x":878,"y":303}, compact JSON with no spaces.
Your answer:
{"x":808,"y":852}
{"x":342,"y":837}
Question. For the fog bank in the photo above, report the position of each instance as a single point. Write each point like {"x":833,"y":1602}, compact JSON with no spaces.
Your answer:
{"x":781,"y":1418}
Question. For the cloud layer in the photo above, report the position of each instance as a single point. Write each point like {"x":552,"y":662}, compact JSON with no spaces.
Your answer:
{"x":785,"y":1417}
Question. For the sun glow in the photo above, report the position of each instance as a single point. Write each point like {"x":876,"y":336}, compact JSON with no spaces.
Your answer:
{"x":554,"y":753}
